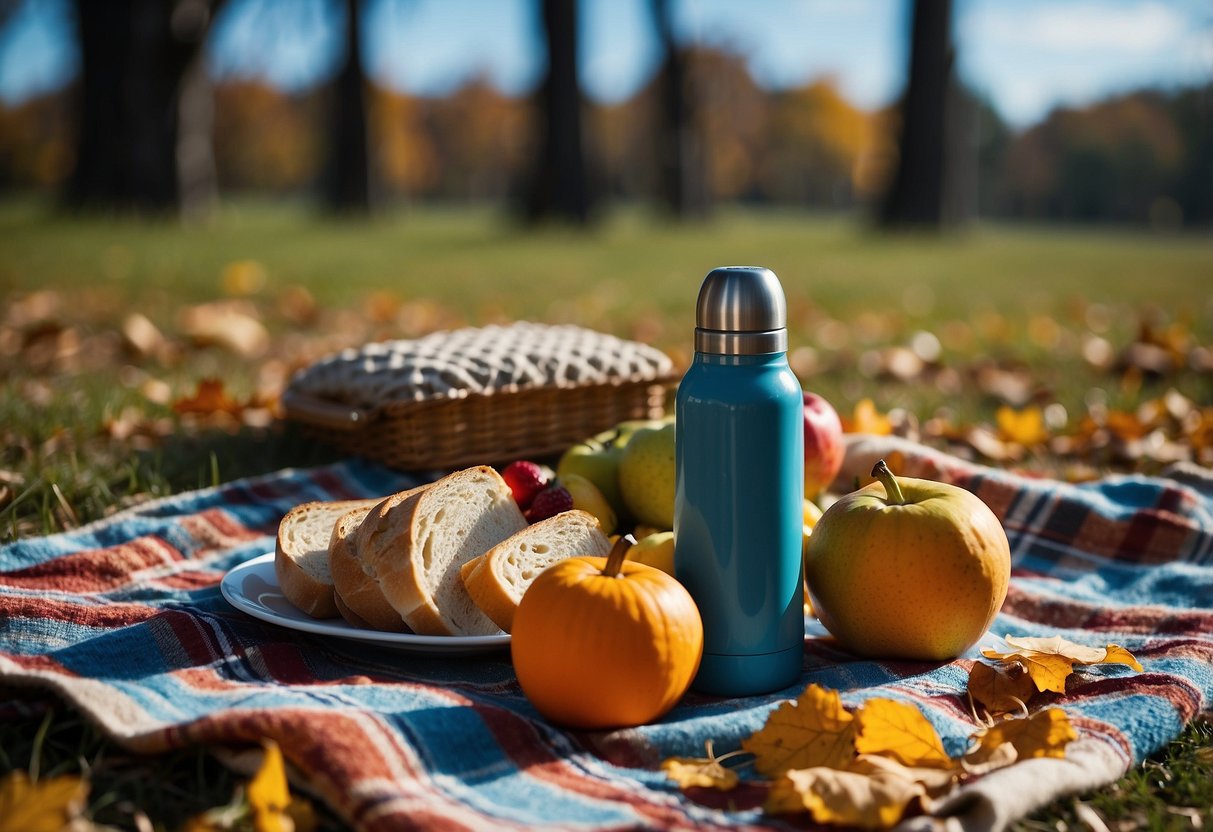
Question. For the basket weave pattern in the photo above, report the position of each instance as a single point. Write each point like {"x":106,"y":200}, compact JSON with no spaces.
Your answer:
{"x":490,"y":428}
{"x":587,"y":390}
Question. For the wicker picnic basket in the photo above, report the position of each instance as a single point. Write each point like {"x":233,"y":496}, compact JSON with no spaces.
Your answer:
{"x":478,"y":396}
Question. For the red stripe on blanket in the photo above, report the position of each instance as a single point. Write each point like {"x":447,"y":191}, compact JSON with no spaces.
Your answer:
{"x":522,"y":743}
{"x":94,"y":570}
{"x":106,"y":616}
{"x":216,"y":529}
{"x":1067,"y":613}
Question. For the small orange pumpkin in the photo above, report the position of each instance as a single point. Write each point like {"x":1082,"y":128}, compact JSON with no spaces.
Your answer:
{"x":605,"y":643}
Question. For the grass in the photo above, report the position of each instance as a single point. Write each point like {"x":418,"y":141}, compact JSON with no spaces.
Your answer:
{"x":87,"y":426}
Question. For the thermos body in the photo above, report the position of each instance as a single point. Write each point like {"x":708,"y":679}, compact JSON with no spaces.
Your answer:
{"x":739,"y":514}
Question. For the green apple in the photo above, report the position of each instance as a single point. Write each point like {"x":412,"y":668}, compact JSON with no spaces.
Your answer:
{"x":598,"y":463}
{"x":646,"y":476}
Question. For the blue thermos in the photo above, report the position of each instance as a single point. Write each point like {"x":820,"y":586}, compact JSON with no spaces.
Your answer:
{"x":738,"y":505}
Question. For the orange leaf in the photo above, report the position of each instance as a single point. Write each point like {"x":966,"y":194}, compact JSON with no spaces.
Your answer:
{"x":1027,"y":426}
{"x":814,"y":730}
{"x":846,"y":798}
{"x":211,"y":398}
{"x":1043,"y":734}
{"x":268,"y":794}
{"x":1000,"y":689}
{"x":867,"y":419}
{"x":899,"y":730}
{"x":702,"y":772}
{"x":45,"y":806}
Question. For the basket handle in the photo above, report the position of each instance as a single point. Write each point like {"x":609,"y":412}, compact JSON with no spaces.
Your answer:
{"x":322,"y":413}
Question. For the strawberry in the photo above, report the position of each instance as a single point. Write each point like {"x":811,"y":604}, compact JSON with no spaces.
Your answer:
{"x":549,"y":502}
{"x":525,"y":479}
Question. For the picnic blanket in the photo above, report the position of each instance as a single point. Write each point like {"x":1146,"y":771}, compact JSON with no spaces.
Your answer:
{"x":124,"y":620}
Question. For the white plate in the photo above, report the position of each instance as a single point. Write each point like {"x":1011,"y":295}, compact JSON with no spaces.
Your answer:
{"x":252,"y":587}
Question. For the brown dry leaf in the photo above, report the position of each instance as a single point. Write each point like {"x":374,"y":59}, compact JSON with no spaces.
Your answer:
{"x":1026,"y":426}
{"x":899,"y":730}
{"x":44,"y":806}
{"x":1043,"y":734}
{"x":865,"y":418}
{"x":211,"y":398}
{"x":936,"y":781}
{"x":1002,"y":688}
{"x":844,"y":798}
{"x":814,"y":730}
{"x":702,"y":772}
{"x":227,"y":325}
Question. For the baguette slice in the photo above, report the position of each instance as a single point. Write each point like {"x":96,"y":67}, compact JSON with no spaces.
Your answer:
{"x":301,"y":554}
{"x":497,"y":579}
{"x":414,"y":546}
{"x":357,"y":594}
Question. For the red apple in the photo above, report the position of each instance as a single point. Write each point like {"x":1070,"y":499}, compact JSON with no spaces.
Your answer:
{"x":823,"y":445}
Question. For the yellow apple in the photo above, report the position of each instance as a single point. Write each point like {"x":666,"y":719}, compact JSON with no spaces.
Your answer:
{"x":646,"y":476}
{"x":908,"y":568}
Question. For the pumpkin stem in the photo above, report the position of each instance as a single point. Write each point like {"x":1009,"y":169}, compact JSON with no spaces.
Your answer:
{"x":619,"y":553}
{"x":892,"y":490}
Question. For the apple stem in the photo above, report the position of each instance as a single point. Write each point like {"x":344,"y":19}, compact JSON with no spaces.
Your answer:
{"x":619,"y":553}
{"x":892,"y":490}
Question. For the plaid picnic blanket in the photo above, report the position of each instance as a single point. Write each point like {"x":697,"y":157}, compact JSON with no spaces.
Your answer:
{"x":124,"y":620}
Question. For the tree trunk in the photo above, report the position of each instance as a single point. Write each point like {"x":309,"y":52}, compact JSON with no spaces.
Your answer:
{"x":347,"y":180}
{"x":140,"y":74}
{"x":560,"y":187}
{"x":918,"y":195}
{"x":681,"y":168}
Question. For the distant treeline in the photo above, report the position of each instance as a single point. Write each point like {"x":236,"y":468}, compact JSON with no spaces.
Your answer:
{"x":1143,"y":157}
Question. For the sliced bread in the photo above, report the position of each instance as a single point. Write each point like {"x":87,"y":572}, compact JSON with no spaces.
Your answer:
{"x":301,"y":554}
{"x":414,"y":546}
{"x":357,"y":594}
{"x":497,"y":579}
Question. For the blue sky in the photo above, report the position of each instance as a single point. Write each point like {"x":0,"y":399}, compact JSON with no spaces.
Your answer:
{"x":1027,"y":56}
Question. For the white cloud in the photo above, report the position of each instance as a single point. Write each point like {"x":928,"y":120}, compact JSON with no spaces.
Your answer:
{"x":1079,"y":27}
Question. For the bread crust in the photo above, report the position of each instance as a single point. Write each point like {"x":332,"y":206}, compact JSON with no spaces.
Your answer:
{"x":390,"y":546}
{"x":310,"y":595}
{"x":353,"y":588}
{"x":482,"y":576}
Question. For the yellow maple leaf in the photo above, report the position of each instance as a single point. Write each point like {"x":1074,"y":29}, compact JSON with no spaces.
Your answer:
{"x":1026,"y":427}
{"x":899,"y":730}
{"x":814,"y":730}
{"x":1002,"y":688}
{"x":1043,"y":734}
{"x":43,"y":806}
{"x":1050,"y":661}
{"x":846,"y":798}
{"x":703,"y":772}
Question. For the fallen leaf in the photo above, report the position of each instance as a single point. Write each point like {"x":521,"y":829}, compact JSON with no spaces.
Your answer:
{"x":1115,"y":654}
{"x":899,"y":730}
{"x":845,"y":798}
{"x":268,"y":793}
{"x":1026,"y":426}
{"x":814,"y":730}
{"x":44,"y":806}
{"x":211,"y":398}
{"x":1000,"y":688}
{"x":243,"y":277}
{"x":702,"y":772}
{"x":229,"y":326}
{"x":935,"y":780}
{"x":865,"y":418}
{"x":1050,"y":661}
{"x":1043,"y":734}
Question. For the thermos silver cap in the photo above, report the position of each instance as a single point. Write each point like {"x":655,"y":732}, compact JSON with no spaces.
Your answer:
{"x":741,"y":311}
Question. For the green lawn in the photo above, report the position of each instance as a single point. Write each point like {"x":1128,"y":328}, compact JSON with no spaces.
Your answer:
{"x":1026,"y":316}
